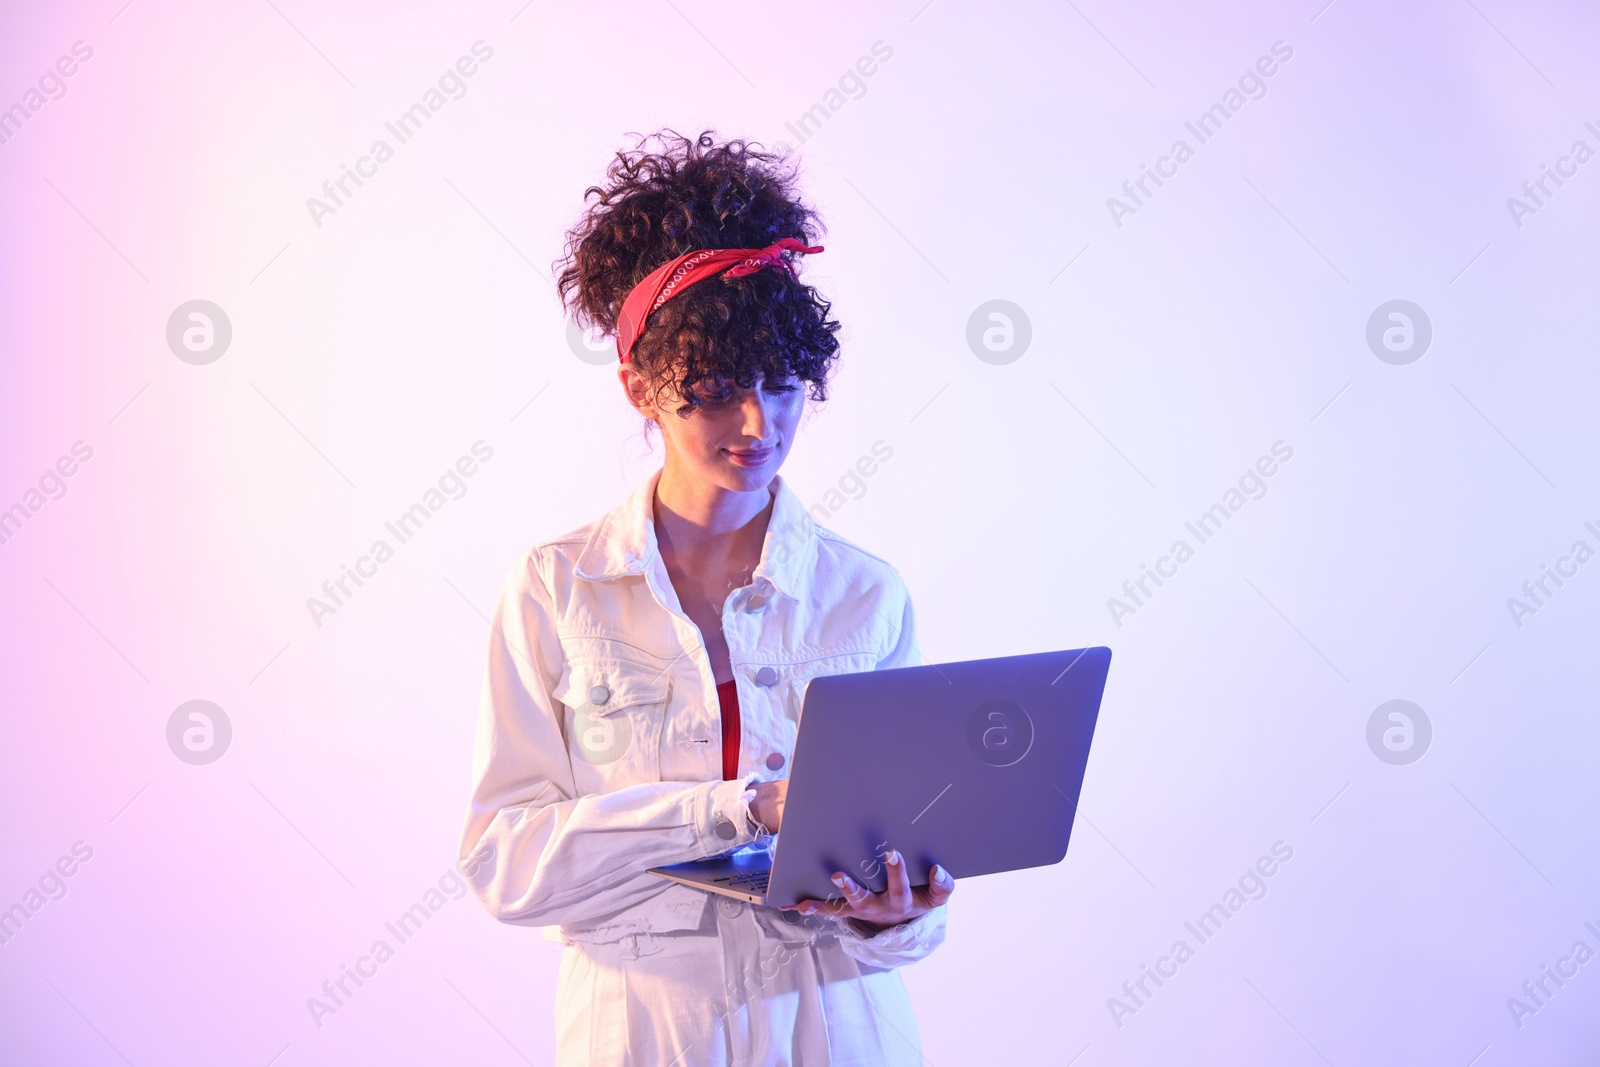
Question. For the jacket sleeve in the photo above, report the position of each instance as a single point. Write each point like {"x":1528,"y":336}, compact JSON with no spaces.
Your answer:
{"x":909,"y":941}
{"x":904,"y":652}
{"x":534,"y":852}
{"x":898,"y":945}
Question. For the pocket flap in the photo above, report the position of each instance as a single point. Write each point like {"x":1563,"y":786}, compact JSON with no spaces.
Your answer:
{"x":624,"y":685}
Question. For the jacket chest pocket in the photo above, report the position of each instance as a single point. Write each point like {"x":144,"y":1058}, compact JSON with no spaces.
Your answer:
{"x":774,"y":736}
{"x":615,"y":711}
{"x":792,"y":681}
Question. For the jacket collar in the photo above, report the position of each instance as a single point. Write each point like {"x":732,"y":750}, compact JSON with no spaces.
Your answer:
{"x":624,"y":541}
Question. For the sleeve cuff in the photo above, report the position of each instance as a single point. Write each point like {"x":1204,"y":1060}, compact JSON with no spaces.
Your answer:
{"x":897,"y":946}
{"x":905,"y":934}
{"x":725,"y":818}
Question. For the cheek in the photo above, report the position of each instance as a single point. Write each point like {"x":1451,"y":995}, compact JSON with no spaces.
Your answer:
{"x":788,"y":416}
{"x":701,"y":434}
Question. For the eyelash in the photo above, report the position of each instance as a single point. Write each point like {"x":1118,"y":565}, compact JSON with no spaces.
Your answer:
{"x":727,"y":395}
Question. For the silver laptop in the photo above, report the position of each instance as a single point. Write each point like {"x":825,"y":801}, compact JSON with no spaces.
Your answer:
{"x":975,"y":766}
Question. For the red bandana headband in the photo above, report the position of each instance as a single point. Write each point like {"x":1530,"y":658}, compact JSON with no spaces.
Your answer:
{"x":674,"y":276}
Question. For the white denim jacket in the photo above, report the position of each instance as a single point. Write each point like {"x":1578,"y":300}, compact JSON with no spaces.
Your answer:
{"x":599,"y":742}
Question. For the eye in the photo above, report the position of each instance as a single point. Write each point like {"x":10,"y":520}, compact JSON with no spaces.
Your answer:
{"x":708,"y":397}
{"x":786,"y":386}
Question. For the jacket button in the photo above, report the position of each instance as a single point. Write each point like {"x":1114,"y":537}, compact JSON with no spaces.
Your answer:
{"x":775,"y":761}
{"x":599,"y":695}
{"x":756,"y":602}
{"x":766,"y":676}
{"x":725,"y":829}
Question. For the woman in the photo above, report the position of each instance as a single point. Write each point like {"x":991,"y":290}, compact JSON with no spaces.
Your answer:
{"x":646,"y":670}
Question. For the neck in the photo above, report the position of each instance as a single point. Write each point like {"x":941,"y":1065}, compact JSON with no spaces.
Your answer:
{"x":708,"y":522}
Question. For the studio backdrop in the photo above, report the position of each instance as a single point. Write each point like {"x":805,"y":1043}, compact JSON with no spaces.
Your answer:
{"x":1253,"y":340}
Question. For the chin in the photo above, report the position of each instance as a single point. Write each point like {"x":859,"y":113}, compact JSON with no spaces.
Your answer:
{"x":750,"y":481}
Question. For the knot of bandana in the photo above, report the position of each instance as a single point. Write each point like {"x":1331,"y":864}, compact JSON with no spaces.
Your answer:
{"x":674,"y":276}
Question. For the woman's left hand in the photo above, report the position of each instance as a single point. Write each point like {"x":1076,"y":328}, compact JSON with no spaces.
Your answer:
{"x":898,"y":902}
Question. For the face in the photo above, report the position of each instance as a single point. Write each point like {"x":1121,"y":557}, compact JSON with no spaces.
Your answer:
{"x":736,"y":439}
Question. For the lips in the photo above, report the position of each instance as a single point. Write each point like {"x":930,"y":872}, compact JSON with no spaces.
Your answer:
{"x":753,"y":457}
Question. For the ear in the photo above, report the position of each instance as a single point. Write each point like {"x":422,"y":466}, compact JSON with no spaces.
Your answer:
{"x":637,"y":390}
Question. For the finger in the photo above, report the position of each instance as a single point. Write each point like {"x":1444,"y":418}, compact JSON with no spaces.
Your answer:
{"x":855,"y":895}
{"x":800,"y":905}
{"x":838,"y":907}
{"x":940,"y":886}
{"x":814,"y":906}
{"x":899,"y":883}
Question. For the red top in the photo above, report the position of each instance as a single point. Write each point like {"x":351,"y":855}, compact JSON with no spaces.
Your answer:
{"x":728,"y":698}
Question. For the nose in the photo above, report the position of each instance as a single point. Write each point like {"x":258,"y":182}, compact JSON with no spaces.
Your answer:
{"x":757,"y":415}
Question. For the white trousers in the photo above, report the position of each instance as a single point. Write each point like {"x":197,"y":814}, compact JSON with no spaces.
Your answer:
{"x":747,"y":990}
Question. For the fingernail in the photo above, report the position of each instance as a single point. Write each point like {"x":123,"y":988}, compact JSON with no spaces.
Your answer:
{"x":838,"y":880}
{"x":894,"y":857}
{"x":940,"y":873}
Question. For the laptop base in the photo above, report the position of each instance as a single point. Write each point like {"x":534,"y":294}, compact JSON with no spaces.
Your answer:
{"x":741,"y":874}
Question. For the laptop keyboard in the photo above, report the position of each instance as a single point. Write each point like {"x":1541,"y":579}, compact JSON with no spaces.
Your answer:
{"x":753,"y":882}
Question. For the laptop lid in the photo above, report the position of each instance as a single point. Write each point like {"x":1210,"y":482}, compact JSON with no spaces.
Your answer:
{"x":974,"y":765}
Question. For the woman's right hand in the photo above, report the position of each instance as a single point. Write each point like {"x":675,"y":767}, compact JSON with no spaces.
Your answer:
{"x":766,"y":807}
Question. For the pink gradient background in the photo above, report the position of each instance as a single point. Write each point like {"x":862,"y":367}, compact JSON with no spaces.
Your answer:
{"x":372,"y":351}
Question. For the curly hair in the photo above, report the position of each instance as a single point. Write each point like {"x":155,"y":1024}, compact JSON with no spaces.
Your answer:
{"x":690,"y":195}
